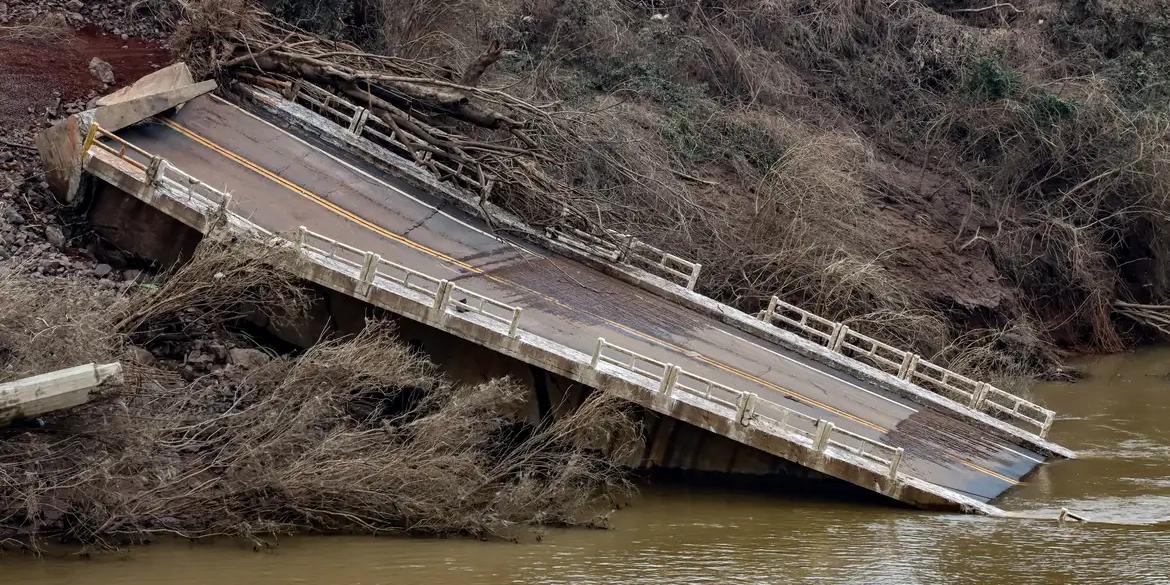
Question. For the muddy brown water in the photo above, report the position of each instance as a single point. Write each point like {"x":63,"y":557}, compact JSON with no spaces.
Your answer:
{"x":1118,"y":419}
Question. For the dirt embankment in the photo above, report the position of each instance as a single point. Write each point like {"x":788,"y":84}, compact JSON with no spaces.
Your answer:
{"x":45,"y":74}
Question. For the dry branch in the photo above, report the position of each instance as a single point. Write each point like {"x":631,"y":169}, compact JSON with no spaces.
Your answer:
{"x":503,"y":147}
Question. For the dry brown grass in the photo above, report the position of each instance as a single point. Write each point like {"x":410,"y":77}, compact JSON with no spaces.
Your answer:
{"x":45,"y":28}
{"x":357,"y":435}
{"x":739,"y":133}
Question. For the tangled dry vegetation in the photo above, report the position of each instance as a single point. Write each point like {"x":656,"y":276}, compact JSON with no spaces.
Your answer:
{"x":932,"y":172}
{"x":357,"y":434}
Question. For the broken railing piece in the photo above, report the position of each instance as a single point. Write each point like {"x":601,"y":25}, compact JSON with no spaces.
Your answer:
{"x":37,"y":395}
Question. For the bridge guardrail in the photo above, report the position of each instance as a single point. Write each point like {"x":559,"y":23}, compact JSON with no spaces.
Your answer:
{"x":156,"y":168}
{"x":358,"y":120}
{"x":370,"y":266}
{"x":909,"y":366}
{"x":749,"y":409}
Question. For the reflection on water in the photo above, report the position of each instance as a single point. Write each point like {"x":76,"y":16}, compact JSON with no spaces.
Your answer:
{"x":1119,"y":420}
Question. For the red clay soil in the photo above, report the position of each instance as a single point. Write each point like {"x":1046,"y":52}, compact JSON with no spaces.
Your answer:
{"x":35,"y":72}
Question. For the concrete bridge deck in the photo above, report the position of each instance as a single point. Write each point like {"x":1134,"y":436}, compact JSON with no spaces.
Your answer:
{"x":281,"y":181}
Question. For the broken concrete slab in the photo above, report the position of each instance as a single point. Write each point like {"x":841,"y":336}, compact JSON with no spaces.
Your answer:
{"x":133,"y":110}
{"x":165,"y":79}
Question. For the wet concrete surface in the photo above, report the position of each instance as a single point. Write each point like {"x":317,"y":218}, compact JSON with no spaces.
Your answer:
{"x":281,"y":182}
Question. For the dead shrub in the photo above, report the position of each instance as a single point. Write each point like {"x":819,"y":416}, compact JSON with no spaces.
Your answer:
{"x":356,"y":435}
{"x":50,"y":323}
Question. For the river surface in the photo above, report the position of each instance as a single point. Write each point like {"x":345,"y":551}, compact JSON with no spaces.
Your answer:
{"x":1118,"y":419}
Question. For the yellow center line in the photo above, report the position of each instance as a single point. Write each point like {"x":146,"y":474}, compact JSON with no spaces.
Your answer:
{"x":238,"y":159}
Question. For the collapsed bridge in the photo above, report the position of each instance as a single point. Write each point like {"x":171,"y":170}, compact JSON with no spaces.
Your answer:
{"x":313,"y":172}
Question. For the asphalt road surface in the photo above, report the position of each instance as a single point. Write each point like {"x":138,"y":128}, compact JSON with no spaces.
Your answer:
{"x":281,"y":181}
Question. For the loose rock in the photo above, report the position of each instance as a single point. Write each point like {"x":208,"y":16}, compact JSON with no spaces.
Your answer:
{"x":55,"y":236}
{"x":247,"y":357}
{"x":139,"y":355}
{"x":102,"y":71}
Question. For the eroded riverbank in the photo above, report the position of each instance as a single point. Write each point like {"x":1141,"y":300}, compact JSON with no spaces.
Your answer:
{"x":1118,"y":419}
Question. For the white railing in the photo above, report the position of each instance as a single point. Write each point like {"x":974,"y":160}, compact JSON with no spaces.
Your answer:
{"x":155,"y":168}
{"x":641,"y":254}
{"x":448,"y":299}
{"x":909,"y":366}
{"x":749,"y":408}
{"x":446,"y":295}
{"x":358,"y":121}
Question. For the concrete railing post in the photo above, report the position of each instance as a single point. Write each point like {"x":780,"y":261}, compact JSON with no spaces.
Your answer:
{"x":669,"y":378}
{"x":155,"y":169}
{"x":442,"y":297}
{"x":1048,"y":419}
{"x":694,"y":278}
{"x":154,"y":174}
{"x":771,"y":312}
{"x":90,"y":137}
{"x":838,"y":337}
{"x":224,"y":204}
{"x":369,"y":271}
{"x":302,"y":235}
{"x":294,"y":91}
{"x":909,"y":366}
{"x":597,"y":353}
{"x":979,"y":395}
{"x":358,"y":121}
{"x":824,"y":429}
{"x":192,"y":182}
{"x":514,"y":326}
{"x":745,"y":408}
{"x":895,"y":463}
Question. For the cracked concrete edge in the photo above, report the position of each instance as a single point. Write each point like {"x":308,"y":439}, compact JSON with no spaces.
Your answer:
{"x":538,"y":351}
{"x":324,"y":129}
